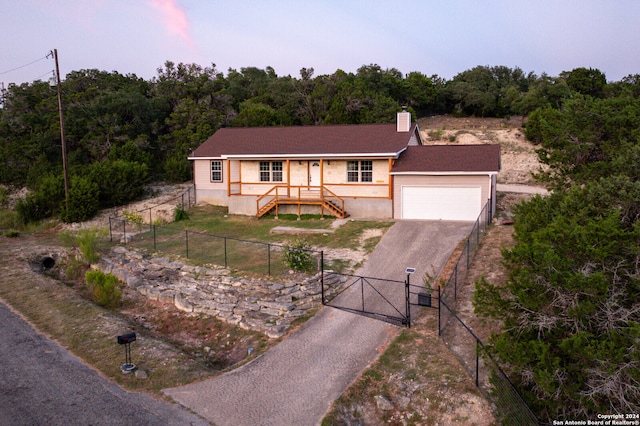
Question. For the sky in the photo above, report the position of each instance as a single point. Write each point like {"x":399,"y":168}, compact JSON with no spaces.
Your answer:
{"x":443,"y":37}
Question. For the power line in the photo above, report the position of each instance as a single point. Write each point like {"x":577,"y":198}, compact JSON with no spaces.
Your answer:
{"x":25,"y":65}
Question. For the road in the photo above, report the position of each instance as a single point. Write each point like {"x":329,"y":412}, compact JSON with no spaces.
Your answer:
{"x":42,"y":384}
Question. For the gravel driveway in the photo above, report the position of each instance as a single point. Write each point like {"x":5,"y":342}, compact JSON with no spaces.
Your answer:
{"x":296,"y":381}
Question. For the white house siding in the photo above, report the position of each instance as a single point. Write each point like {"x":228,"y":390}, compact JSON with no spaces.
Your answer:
{"x":335,"y":179}
{"x":453,"y":181}
{"x":207,"y":191}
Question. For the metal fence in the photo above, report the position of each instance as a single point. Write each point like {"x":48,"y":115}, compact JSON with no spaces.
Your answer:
{"x":144,"y":230}
{"x":162,"y":212}
{"x":209,"y":249}
{"x":510,"y":408}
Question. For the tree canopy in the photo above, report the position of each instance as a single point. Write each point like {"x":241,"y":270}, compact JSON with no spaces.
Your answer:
{"x":570,"y":310}
{"x":157,"y":123}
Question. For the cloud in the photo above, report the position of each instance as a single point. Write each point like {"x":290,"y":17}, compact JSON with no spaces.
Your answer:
{"x":174,"y":19}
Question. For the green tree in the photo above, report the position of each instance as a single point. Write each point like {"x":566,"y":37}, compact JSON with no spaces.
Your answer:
{"x":586,"y":81}
{"x":118,"y":181}
{"x":570,"y":312}
{"x":581,"y":141}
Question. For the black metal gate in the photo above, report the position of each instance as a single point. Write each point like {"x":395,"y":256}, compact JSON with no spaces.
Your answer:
{"x":380,"y":298}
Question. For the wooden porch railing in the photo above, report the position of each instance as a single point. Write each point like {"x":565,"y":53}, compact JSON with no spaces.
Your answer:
{"x":300,"y":196}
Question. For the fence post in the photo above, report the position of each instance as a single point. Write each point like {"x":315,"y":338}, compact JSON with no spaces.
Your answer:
{"x":225,"y":252}
{"x":150,"y":218}
{"x":477,"y":361}
{"x":154,"y":238}
{"x":407,"y":301}
{"x":186,"y":240}
{"x":439,"y":308}
{"x":322,"y":277}
{"x":455,"y":282}
{"x":362,"y":291}
{"x":269,"y":259}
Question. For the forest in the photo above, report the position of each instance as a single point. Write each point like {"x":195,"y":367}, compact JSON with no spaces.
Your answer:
{"x":122,"y":131}
{"x":569,"y":313}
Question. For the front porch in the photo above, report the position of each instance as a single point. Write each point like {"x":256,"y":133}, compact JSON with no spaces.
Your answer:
{"x":281,"y":195}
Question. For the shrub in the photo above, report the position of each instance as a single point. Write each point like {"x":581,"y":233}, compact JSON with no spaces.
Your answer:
{"x":83,"y":201}
{"x":9,"y":219}
{"x":12,"y":233}
{"x":104,"y":287}
{"x":133,"y":216}
{"x":75,"y":269}
{"x":297,"y":255}
{"x":119,"y":181}
{"x":32,"y":208}
{"x":180,"y":214}
{"x":87,"y":240}
{"x":4,"y":197}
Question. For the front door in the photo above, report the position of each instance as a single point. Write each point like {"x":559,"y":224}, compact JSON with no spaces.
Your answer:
{"x":314,"y":174}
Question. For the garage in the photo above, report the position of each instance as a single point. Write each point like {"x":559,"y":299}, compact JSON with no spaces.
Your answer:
{"x":441,"y":202}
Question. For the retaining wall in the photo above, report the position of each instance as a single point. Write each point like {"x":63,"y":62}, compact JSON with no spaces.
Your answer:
{"x":265,"y":306}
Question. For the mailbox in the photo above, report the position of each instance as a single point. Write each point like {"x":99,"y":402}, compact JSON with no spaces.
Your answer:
{"x":127,"y":338}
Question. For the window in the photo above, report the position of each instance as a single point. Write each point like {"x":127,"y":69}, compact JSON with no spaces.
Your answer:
{"x":271,"y":171}
{"x":360,"y":171}
{"x":366,"y":171}
{"x":216,"y":171}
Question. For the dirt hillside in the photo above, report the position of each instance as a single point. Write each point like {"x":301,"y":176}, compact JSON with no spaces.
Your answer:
{"x":518,"y":155}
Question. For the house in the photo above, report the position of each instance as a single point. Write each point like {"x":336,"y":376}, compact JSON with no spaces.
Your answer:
{"x":377,"y":171}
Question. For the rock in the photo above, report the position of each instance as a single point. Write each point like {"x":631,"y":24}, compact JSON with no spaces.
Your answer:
{"x":167,"y":297}
{"x":141,"y":374}
{"x":383,"y":403}
{"x":265,"y":306}
{"x":182,"y":303}
{"x":403,"y":402}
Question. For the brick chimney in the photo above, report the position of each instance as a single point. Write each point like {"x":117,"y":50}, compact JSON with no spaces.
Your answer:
{"x":404,"y":121}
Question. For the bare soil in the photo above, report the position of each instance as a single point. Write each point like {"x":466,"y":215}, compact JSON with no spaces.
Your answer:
{"x":518,"y":156}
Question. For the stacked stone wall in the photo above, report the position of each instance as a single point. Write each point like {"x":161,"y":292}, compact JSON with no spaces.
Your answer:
{"x":265,"y":306}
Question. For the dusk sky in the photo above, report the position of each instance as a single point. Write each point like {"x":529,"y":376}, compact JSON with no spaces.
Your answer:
{"x":443,"y":37}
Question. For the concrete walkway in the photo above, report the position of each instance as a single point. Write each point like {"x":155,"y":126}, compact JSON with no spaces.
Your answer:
{"x":296,"y":381}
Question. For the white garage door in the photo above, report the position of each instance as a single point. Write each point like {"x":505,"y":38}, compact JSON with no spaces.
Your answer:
{"x":436,"y":202}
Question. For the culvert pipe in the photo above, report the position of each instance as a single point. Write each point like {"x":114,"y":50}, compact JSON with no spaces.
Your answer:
{"x":47,"y":262}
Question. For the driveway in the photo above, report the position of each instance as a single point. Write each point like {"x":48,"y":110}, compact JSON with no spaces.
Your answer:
{"x":297,"y":380}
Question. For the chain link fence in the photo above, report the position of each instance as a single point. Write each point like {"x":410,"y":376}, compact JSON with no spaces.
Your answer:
{"x":207,"y":249}
{"x":144,"y":230}
{"x":510,"y":408}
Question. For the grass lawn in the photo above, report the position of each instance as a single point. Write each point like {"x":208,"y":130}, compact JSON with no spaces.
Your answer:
{"x":247,"y":243}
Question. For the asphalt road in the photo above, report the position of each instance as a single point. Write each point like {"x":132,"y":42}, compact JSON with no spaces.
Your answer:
{"x":42,"y":384}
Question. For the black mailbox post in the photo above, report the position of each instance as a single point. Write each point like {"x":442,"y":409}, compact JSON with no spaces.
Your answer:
{"x":126,"y":339}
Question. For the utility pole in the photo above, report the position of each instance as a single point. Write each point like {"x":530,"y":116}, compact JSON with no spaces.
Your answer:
{"x":62,"y":137}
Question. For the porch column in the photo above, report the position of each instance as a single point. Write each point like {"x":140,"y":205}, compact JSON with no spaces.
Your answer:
{"x":390,"y":179}
{"x":228,"y":177}
{"x":288,"y":178}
